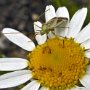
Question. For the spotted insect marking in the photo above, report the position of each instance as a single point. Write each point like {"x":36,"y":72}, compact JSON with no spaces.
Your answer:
{"x":46,"y":50}
{"x":60,"y":74}
{"x":42,"y":68}
{"x":63,"y":44}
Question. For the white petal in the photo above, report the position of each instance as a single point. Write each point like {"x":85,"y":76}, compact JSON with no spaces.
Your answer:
{"x":59,"y":31}
{"x":87,"y":53}
{"x":86,"y":44}
{"x":14,"y":78}
{"x":37,"y":26}
{"x":84,"y":34}
{"x":40,"y":38}
{"x":77,"y":22}
{"x":85,"y":88}
{"x":49,"y":13}
{"x":86,"y":81}
{"x":10,"y":64}
{"x":44,"y":88}
{"x":33,"y":85}
{"x":78,"y":88}
{"x":62,"y":12}
{"x":19,"y":39}
{"x":51,"y":35}
{"x":88,"y":70}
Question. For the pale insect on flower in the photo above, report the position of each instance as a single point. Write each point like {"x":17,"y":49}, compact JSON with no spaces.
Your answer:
{"x":56,"y":63}
{"x":51,"y":24}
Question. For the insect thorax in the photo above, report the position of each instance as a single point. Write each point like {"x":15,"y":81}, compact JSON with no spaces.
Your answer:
{"x":44,"y":29}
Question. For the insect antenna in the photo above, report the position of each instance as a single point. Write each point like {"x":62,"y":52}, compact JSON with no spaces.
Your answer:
{"x":63,"y":27}
{"x":37,"y":33}
{"x":42,"y":14}
{"x":38,"y":26}
{"x":53,"y":33}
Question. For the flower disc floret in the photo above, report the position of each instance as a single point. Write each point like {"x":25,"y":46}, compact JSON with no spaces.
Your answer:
{"x":58,"y":63}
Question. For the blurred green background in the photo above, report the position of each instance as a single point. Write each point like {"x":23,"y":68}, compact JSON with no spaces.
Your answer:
{"x":73,"y":6}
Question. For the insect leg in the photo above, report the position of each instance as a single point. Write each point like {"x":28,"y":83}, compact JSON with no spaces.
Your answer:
{"x":38,"y":26}
{"x":37,"y":33}
{"x":42,"y":14}
{"x":53,"y":33}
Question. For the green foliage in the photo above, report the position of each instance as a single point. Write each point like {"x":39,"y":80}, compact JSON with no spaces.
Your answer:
{"x":73,"y":6}
{"x":0,"y":55}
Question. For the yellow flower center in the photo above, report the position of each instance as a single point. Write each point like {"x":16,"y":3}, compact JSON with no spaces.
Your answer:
{"x":58,"y":63}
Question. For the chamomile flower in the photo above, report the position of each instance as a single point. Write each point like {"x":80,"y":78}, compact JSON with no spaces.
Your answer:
{"x":59,"y":62}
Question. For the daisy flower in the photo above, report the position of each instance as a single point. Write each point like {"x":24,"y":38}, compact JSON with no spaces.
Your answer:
{"x":57,"y":63}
